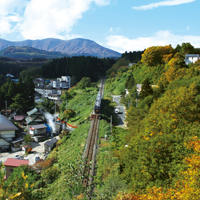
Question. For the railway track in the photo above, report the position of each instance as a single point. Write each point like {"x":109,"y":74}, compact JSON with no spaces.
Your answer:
{"x":90,"y":149}
{"x":91,"y":146}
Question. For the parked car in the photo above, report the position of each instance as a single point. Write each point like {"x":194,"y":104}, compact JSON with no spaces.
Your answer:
{"x":17,"y":156}
{"x":37,"y":159}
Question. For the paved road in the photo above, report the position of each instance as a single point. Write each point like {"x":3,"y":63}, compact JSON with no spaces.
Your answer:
{"x":122,"y":112}
{"x":37,"y":150}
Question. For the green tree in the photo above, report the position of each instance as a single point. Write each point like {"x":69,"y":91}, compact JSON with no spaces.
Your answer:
{"x":69,"y":113}
{"x":146,"y":89}
{"x":19,"y":103}
{"x":47,"y":105}
{"x":28,"y":93}
{"x":84,"y":82}
{"x":187,"y":48}
{"x":11,"y":92}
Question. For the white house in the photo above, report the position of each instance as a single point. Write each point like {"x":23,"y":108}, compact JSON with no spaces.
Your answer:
{"x":39,"y":129}
{"x":9,"y":75}
{"x":7,"y":132}
{"x":54,"y":90}
{"x":38,"y":132}
{"x":191,"y":58}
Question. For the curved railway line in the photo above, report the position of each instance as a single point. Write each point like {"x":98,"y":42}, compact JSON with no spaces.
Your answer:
{"x":91,"y":146}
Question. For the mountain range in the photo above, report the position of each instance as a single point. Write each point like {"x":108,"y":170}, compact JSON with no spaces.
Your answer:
{"x":74,"y":47}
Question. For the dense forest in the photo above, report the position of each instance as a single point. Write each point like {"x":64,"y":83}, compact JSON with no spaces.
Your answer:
{"x":20,"y":96}
{"x":77,"y":67}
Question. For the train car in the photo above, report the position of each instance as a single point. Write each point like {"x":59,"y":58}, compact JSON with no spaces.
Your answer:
{"x":97,"y":106}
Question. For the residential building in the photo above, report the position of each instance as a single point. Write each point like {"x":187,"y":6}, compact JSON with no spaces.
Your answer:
{"x":38,"y":132}
{"x":54,"y":90}
{"x":12,"y":163}
{"x":16,"y":145}
{"x":191,"y":58}
{"x":9,"y":75}
{"x":35,"y":117}
{"x":7,"y":132}
{"x":49,"y":145}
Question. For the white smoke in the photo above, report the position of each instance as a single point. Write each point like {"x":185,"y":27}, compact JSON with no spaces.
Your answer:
{"x":50,"y":118}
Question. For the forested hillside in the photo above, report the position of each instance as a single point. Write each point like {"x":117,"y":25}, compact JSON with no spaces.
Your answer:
{"x":77,"y":67}
{"x":157,"y":157}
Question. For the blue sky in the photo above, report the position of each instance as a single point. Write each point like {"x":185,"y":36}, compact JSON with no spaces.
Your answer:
{"x":128,"y":25}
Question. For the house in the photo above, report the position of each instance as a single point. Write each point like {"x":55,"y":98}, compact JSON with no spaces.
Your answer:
{"x":7,"y":132}
{"x":131,"y":64}
{"x":191,"y":58}
{"x":15,"y":80}
{"x":6,"y":112}
{"x":9,"y":75}
{"x":39,"y":81}
{"x":16,"y":145}
{"x":49,"y":145}
{"x":12,"y":163}
{"x":35,"y":117}
{"x":138,"y":88}
{"x":38,"y":132}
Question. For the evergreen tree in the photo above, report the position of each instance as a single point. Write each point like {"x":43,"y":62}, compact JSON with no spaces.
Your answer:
{"x":11,"y":92}
{"x":29,"y":91}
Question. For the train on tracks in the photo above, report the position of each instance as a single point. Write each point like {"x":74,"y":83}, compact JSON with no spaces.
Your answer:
{"x":97,"y":107}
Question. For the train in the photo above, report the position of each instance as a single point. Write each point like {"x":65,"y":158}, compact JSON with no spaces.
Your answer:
{"x":97,"y":107}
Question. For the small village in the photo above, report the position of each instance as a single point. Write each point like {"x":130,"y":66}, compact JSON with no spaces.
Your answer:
{"x":26,"y":138}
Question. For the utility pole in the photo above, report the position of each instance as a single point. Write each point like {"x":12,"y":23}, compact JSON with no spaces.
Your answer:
{"x":6,"y":107}
{"x":55,"y":111}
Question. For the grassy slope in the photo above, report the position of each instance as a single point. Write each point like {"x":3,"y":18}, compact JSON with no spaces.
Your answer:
{"x":71,"y":147}
{"x":66,"y":153}
{"x":83,"y":104}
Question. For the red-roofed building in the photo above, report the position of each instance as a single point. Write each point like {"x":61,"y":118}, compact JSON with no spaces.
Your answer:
{"x":11,"y":163}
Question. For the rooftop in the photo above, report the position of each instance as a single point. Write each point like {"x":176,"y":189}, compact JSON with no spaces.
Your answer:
{"x":6,"y":125}
{"x":32,"y":111}
{"x":192,"y":55}
{"x":15,"y":162}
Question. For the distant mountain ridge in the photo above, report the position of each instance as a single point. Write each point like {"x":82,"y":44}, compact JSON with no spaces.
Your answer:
{"x":26,"y":52}
{"x":74,"y":47}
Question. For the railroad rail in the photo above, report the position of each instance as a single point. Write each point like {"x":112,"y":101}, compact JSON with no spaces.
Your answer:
{"x":91,"y":145}
{"x":90,"y":149}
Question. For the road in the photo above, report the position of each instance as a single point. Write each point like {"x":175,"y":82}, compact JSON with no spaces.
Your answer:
{"x":37,"y":151}
{"x":122,"y":112}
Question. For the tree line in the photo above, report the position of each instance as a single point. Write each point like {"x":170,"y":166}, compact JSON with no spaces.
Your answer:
{"x":77,"y":67}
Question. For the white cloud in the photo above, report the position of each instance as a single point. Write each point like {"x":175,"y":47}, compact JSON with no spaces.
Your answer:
{"x":161,"y":38}
{"x":162,"y":3}
{"x":5,"y":27}
{"x":11,"y":6}
{"x":37,"y":19}
{"x":54,"y":18}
